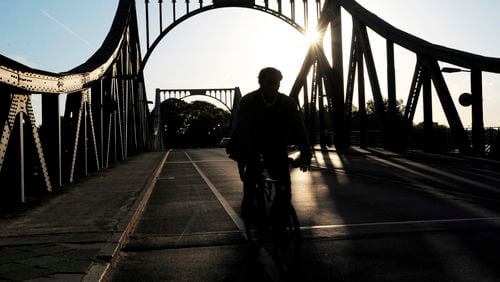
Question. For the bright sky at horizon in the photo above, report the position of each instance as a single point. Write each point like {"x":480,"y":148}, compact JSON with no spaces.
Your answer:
{"x":227,"y":47}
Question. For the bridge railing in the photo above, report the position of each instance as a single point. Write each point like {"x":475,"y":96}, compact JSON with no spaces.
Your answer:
{"x":443,"y":141}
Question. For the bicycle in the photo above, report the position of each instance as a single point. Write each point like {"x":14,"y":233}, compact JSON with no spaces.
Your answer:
{"x":273,"y":224}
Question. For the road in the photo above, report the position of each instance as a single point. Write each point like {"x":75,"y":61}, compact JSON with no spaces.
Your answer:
{"x":365,"y":216}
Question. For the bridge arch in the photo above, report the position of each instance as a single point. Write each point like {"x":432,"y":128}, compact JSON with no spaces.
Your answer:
{"x":169,"y":28}
{"x":228,"y":97}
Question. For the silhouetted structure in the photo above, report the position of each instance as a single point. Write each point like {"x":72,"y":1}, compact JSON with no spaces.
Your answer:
{"x":106,"y":114}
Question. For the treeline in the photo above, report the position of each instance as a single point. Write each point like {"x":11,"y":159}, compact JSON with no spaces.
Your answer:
{"x":197,"y":124}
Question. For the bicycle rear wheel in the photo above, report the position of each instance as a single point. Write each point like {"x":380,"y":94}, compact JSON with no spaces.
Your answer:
{"x":287,"y":240}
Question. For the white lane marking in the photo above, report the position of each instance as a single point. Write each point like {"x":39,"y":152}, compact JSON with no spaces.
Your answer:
{"x":264,"y":257}
{"x":409,"y":222}
{"x":230,"y":211}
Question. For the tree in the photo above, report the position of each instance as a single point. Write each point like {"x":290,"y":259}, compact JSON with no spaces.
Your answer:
{"x":196,"y":124}
{"x":173,"y":121}
{"x":373,"y":122}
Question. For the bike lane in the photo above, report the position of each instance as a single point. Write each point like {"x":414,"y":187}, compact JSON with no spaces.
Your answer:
{"x":186,"y":233}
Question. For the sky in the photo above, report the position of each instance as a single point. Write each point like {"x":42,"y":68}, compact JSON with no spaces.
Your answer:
{"x":227,"y":47}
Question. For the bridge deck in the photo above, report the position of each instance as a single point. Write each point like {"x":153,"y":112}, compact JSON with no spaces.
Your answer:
{"x":364,"y":216}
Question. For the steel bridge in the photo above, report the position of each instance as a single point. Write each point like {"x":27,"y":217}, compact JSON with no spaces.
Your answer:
{"x":106,"y":117}
{"x":229,"y":97}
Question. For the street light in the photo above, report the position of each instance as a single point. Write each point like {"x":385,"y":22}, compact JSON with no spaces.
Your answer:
{"x":451,"y":70}
{"x":465,"y":99}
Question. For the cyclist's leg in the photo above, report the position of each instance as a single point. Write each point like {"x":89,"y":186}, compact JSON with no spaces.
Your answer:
{"x":278,"y":170}
{"x":250,"y":176}
{"x":286,"y":229}
{"x":253,"y":207}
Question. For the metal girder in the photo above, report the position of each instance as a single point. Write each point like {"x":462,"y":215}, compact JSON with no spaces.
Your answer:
{"x":363,"y":134}
{"x":21,"y":104}
{"x":31,"y":80}
{"x":448,"y":106}
{"x":351,"y":76}
{"x":372,"y":73}
{"x":427,"y":105}
{"x":478,"y":133}
{"x":411,"y":102}
{"x":417,"y":45}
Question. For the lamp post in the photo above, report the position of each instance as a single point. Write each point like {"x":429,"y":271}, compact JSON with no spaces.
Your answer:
{"x":475,"y":98}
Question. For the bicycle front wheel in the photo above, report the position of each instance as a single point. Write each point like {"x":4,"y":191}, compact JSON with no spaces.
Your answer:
{"x":256,"y":223}
{"x":287,"y":240}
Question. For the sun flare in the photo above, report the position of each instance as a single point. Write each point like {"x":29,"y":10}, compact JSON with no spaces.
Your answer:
{"x":313,"y":36}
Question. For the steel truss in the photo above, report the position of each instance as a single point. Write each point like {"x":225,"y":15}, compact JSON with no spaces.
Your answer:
{"x":326,"y":92}
{"x":427,"y":71}
{"x":105,"y":120}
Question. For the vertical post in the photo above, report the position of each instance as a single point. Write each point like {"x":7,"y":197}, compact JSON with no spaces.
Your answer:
{"x":314,"y":99}
{"x":21,"y":155}
{"x":160,"y":3}
{"x":173,"y":10}
{"x":363,"y":136}
{"x":85,"y":137}
{"x":306,"y":14}
{"x":477,"y":112}
{"x":392,"y":121}
{"x":338,"y":76}
{"x":307,"y":110}
{"x":321,"y":101}
{"x":147,"y":23}
{"x":100,"y":108}
{"x":427,"y":103}
{"x":318,"y":9}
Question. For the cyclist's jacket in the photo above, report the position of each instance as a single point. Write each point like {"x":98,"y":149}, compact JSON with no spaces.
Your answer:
{"x":261,"y":128}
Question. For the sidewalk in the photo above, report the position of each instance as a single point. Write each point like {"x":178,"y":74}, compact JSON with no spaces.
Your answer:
{"x":76,"y":235}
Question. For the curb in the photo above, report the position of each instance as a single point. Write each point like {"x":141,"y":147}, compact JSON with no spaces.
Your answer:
{"x":109,"y":254}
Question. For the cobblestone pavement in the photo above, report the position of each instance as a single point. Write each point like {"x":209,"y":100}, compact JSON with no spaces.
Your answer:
{"x":74,"y":235}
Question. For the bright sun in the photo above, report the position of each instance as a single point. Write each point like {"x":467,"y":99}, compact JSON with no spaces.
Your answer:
{"x":313,"y":36}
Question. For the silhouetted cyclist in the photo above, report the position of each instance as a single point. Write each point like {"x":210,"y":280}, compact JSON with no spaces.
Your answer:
{"x":267,"y":122}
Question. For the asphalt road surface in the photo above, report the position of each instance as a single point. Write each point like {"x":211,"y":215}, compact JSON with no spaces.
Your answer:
{"x":365,"y":216}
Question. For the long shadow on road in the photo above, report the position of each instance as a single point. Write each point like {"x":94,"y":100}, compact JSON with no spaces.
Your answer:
{"x":367,"y":220}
